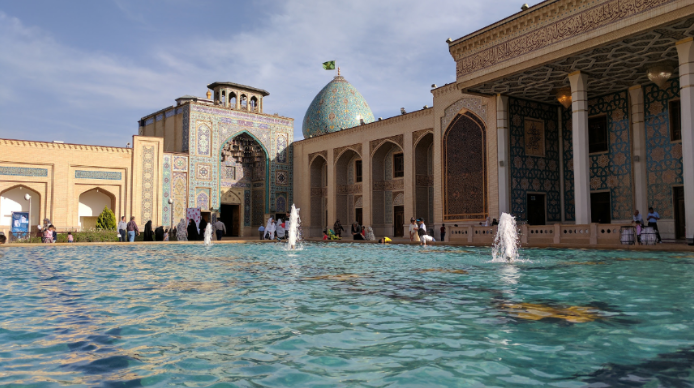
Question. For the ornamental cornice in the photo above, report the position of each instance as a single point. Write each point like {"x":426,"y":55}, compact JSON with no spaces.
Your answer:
{"x":63,"y":146}
{"x":539,"y":27}
{"x":370,"y":126}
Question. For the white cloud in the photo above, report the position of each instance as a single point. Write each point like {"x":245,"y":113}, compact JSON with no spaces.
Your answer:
{"x":390,"y":50}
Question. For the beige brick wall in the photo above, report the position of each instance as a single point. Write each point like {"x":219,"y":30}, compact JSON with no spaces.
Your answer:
{"x":59,"y":191}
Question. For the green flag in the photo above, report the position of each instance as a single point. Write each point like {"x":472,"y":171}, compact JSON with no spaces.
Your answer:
{"x":330,"y":65}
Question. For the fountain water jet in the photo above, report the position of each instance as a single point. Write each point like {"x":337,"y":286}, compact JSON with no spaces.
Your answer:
{"x":293,"y":230}
{"x":208,"y":235}
{"x":505,"y":248}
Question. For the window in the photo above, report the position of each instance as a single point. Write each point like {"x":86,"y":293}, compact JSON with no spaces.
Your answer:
{"x":675,"y":121}
{"x":357,"y":171}
{"x":597,"y":134}
{"x":398,"y":166}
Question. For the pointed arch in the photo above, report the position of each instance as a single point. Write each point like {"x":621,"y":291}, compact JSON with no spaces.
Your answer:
{"x":464,"y":146}
{"x":12,"y":199}
{"x":267,"y":165}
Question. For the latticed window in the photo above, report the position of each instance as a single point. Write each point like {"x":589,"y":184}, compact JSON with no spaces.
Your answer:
{"x":357,"y":171}
{"x":675,"y":120}
{"x":597,"y":134}
{"x":398,"y":166}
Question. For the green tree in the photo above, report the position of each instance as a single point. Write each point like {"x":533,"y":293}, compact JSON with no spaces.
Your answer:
{"x":106,"y":220}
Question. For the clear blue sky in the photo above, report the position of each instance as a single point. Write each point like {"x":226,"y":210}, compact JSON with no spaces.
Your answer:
{"x":85,"y":71}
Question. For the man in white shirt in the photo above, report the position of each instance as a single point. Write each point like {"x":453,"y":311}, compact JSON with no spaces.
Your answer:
{"x":638,"y":218}
{"x":652,"y":219}
{"x":220,"y":229}
{"x":122,"y":226}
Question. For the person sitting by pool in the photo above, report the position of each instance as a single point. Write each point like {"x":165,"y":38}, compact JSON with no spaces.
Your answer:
{"x":332,"y":235}
{"x":369,"y":234}
{"x":3,"y":238}
{"x":425,"y":239}
{"x":48,"y":235}
{"x":325,"y":234}
{"x":384,"y":240}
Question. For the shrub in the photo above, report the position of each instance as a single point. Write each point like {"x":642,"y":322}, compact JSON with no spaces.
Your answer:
{"x":106,"y":220}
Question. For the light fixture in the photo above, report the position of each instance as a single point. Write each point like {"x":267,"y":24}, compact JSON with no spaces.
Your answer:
{"x":659,"y":74}
{"x":564,"y":97}
{"x":27,"y":196}
{"x":171,"y":201}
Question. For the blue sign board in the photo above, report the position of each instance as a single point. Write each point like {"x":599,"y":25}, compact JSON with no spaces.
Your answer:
{"x":20,"y":222}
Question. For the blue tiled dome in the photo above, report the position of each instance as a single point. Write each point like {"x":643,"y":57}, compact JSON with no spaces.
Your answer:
{"x":338,"y":106}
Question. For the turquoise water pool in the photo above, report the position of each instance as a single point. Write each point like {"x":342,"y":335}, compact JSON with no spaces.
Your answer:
{"x":255,"y":315}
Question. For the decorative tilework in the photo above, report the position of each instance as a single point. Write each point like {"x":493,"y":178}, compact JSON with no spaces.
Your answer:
{"x":398,"y":199}
{"x":106,"y":175}
{"x":475,"y":105}
{"x":203,"y":171}
{"x":247,"y":208}
{"x":610,"y":170}
{"x":180,"y":194}
{"x":24,"y":171}
{"x":358,"y":201}
{"x":534,"y":173}
{"x":166,"y":191}
{"x":180,"y":163}
{"x":664,"y":157}
{"x":336,"y":107}
{"x":202,"y":198}
{"x":388,"y":207}
{"x":281,"y":203}
{"x":257,"y":203}
{"x":534,"y":137}
{"x":204,"y":138}
{"x":281,"y":177}
{"x":147,"y":183}
{"x":186,"y":128}
{"x":281,"y":148}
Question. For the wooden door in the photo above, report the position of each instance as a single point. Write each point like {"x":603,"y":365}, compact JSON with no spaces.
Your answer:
{"x":398,"y":221}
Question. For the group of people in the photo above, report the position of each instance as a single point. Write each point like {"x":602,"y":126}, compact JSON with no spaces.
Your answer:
{"x":418,"y":231}
{"x":49,"y":234}
{"x":184,"y":231}
{"x":275,"y":229}
{"x":652,"y":218}
{"x":358,"y":232}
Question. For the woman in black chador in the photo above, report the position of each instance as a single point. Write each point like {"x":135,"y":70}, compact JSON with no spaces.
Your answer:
{"x":149,"y":234}
{"x":192,"y":231}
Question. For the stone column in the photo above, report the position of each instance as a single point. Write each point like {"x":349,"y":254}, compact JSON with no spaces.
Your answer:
{"x":579,"y":121}
{"x":562,"y":189}
{"x":332,"y":190}
{"x":367,"y":217}
{"x":638,"y":134}
{"x":409,"y":179}
{"x":503,"y":142}
{"x":685,"y":51}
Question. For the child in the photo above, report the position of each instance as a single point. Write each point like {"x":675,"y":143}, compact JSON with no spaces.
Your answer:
{"x":425,"y":239}
{"x":384,"y":240}
{"x":638,"y":233}
{"x":70,"y":239}
{"x":55,"y":234}
{"x":325,"y":235}
{"x":166,"y":235}
{"x":48,"y":235}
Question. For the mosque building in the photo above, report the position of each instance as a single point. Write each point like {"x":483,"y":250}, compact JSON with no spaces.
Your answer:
{"x":569,"y":115}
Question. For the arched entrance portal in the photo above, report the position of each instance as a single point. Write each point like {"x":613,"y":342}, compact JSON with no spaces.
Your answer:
{"x":91,"y":204}
{"x":319,"y":196}
{"x":13,"y":200}
{"x":348,"y":175}
{"x":388,"y":170}
{"x":243,"y":183}
{"x":465,"y":169}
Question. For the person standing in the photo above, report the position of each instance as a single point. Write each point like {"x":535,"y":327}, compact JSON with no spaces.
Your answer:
{"x":149,"y":233}
{"x":181,"y":231}
{"x":132,"y":229}
{"x":443,"y":232}
{"x":338,"y":229}
{"x":261,"y":232}
{"x":422,"y":231}
{"x":203,"y":227}
{"x":122,"y":226}
{"x":221,"y":229}
{"x":414,"y":236}
{"x":159,"y":234}
{"x":653,"y":218}
{"x":193,"y":234}
{"x":356,"y":232}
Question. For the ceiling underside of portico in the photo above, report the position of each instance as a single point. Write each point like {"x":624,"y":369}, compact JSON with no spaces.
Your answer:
{"x":611,"y":68}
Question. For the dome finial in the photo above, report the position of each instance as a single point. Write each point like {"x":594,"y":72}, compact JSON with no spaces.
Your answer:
{"x":338,"y":70}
